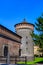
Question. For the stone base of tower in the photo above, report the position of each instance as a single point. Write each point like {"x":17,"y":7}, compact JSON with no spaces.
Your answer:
{"x":30,"y":58}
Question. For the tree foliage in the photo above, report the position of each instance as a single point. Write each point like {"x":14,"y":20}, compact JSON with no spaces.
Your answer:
{"x":38,"y":38}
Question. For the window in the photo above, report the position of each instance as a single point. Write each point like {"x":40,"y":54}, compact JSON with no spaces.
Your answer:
{"x":26,"y":48}
{"x":26,"y":37}
{"x":26,"y":42}
{"x":19,"y":52}
{"x":5,"y":51}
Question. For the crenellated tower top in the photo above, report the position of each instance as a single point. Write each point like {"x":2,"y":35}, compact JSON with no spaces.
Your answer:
{"x":24,"y":25}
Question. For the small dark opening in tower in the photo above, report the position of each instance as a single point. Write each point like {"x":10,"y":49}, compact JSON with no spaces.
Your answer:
{"x":19,"y":52}
{"x":5,"y":51}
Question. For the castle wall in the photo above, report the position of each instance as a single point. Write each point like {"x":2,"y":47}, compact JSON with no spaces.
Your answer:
{"x":13,"y":47}
{"x":12,"y":40}
{"x":9,"y":34}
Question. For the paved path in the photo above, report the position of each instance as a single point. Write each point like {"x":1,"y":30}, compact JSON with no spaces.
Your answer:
{"x":39,"y":64}
{"x":20,"y":64}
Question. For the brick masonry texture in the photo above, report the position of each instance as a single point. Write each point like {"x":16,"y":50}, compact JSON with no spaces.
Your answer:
{"x":13,"y":46}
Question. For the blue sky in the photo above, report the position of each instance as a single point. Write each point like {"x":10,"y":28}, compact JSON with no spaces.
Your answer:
{"x":14,"y":11}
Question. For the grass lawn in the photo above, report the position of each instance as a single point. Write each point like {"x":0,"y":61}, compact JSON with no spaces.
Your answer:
{"x":37,"y":59}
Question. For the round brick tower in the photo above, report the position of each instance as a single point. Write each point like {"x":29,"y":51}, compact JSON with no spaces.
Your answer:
{"x":25,"y":29}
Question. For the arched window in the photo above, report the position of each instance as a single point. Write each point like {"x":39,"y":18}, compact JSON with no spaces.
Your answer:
{"x":5,"y":51}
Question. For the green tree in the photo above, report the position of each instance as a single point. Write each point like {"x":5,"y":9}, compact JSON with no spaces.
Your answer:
{"x":38,"y":38}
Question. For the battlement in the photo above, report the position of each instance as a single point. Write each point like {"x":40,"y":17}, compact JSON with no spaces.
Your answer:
{"x":24,"y":25}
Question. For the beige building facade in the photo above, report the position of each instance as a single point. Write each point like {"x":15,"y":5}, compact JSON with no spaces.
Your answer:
{"x":36,"y":48}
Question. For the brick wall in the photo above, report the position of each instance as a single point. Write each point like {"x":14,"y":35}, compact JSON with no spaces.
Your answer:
{"x":8,"y":34}
{"x":13,"y":47}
